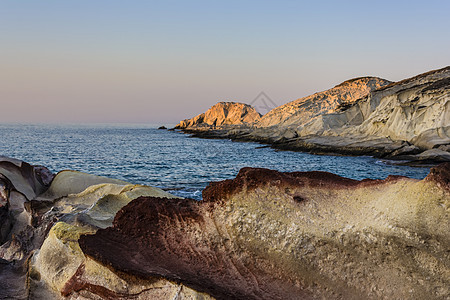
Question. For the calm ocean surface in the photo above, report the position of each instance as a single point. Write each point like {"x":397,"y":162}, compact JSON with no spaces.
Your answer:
{"x":170,"y":160}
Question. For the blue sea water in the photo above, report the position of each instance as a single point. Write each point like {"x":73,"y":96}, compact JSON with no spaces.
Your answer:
{"x":170,"y":160}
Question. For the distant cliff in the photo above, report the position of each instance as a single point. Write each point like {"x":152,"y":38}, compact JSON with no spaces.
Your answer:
{"x":223,"y":113}
{"x":302,"y":110}
{"x":406,"y":120}
{"x":415,"y":110}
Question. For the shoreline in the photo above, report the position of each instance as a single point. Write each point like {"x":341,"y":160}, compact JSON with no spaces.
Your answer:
{"x":263,"y":234}
{"x":381,"y":148}
{"x":405,"y":121}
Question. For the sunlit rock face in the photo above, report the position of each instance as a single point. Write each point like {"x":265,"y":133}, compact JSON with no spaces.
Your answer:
{"x":303,"y":110}
{"x":222,"y":114}
{"x":405,"y":118}
{"x":407,"y":121}
{"x":415,"y":111}
{"x":302,"y":235}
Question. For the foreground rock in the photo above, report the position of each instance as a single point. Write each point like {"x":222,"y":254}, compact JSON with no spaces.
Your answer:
{"x":19,"y":183}
{"x":407,"y":120}
{"x":41,"y":223}
{"x":301,"y":235}
{"x":263,"y":235}
{"x":222,"y":114}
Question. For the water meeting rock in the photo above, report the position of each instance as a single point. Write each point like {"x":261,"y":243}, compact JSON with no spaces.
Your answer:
{"x":301,"y":235}
{"x":363,"y":116}
{"x":222,"y":114}
{"x":263,"y":235}
{"x":42,"y":217}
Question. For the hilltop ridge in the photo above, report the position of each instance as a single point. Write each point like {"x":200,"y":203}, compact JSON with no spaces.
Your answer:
{"x":406,"y":120}
{"x":223,"y":113}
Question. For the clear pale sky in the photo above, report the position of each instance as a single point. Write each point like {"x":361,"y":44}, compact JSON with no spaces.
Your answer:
{"x":162,"y":61}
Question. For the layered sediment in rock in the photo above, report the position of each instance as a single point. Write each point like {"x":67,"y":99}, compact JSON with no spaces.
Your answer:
{"x":19,"y":183}
{"x":303,"y":110}
{"x":222,"y":114}
{"x":262,"y":235}
{"x":407,"y":120}
{"x":40,"y":226}
{"x":301,"y":235}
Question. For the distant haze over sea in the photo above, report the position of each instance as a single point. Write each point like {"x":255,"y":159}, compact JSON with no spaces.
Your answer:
{"x":155,"y":62}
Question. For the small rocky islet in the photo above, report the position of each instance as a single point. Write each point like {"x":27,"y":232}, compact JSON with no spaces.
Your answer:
{"x":262,"y":235}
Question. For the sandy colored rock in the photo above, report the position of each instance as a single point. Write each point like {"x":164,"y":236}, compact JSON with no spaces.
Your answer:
{"x":416,"y":111}
{"x":60,"y":256}
{"x":41,"y":220}
{"x":303,"y":110}
{"x":300,"y":235}
{"x":60,"y":270}
{"x":349,"y":117}
{"x":73,"y":182}
{"x":223,"y":113}
{"x":62,"y":265}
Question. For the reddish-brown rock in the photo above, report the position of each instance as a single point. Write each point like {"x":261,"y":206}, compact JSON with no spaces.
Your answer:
{"x":301,"y":235}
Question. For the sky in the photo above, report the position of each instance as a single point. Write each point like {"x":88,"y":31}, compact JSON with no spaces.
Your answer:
{"x":158,"y":62}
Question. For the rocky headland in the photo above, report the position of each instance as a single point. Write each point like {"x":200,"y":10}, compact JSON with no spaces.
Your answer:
{"x":407,"y":121}
{"x":223,"y":114}
{"x":263,"y":235}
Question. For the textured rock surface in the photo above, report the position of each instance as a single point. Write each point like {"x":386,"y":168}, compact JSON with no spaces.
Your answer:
{"x":59,"y":268}
{"x":19,"y":183}
{"x":416,"y":111}
{"x":364,"y":116}
{"x":40,"y":225}
{"x":223,"y":113}
{"x":303,"y":110}
{"x":302,"y":235}
{"x":62,"y":266}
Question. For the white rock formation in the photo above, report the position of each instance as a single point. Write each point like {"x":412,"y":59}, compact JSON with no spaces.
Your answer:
{"x":361,"y":116}
{"x":416,"y":110}
{"x":303,"y":110}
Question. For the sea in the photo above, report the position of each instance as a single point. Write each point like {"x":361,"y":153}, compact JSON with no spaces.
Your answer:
{"x":170,"y":160}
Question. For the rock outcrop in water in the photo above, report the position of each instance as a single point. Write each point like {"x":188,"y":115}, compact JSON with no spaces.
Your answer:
{"x":407,"y":120}
{"x":222,"y":114}
{"x":301,"y":235}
